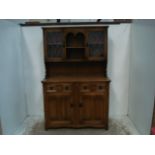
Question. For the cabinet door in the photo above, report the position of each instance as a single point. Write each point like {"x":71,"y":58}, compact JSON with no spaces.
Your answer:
{"x":92,"y":110}
{"x":54,"y":44}
{"x":97,"y":44}
{"x":59,"y":111}
{"x":93,"y":106}
{"x":59,"y":105}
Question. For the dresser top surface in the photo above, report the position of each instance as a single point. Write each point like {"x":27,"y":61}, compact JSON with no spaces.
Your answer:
{"x":76,"y":79}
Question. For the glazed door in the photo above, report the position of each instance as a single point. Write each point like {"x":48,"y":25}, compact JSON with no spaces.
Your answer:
{"x":54,"y":44}
{"x":96,"y":44}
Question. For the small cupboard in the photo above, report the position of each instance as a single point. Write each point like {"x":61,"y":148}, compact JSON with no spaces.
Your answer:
{"x":76,"y":87}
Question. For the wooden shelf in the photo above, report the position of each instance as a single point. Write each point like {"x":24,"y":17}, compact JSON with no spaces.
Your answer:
{"x":54,"y":59}
{"x":75,"y":47}
{"x":96,"y":58}
{"x":76,"y":60}
{"x":76,"y":78}
{"x":56,"y":44}
{"x":71,"y":24}
{"x":95,"y":43}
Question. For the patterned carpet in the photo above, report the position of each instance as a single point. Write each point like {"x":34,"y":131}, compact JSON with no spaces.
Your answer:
{"x":115,"y":128}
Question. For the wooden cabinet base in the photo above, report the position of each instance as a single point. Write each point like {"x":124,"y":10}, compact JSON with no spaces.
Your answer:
{"x":76,"y":104}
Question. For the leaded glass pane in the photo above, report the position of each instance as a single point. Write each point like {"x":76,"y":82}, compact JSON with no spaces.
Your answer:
{"x":55,"y":44}
{"x":95,"y":50}
{"x":95,"y":43}
{"x":55,"y":37}
{"x":96,"y":37}
{"x":55,"y":51}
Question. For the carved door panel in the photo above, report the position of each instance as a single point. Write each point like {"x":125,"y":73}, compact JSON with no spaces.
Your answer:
{"x":60,"y":110}
{"x":92,"y":105}
{"x":92,"y":110}
{"x":59,"y":105}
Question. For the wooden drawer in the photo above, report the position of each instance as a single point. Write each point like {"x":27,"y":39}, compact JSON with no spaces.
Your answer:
{"x":58,"y":88}
{"x":85,"y":87}
{"x":67,"y":88}
{"x":100,"y":87}
{"x":53,"y":88}
{"x":93,"y":87}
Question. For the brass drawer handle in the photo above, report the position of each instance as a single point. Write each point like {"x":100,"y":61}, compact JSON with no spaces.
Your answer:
{"x":80,"y":104}
{"x":51,"y":89}
{"x":85,"y":88}
{"x":72,"y":105}
{"x":67,"y":88}
{"x":100,"y":88}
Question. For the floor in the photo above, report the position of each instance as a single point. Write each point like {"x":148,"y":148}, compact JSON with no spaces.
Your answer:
{"x":121,"y":126}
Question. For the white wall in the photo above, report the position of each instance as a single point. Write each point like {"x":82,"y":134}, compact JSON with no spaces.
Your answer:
{"x":34,"y":69}
{"x":142,"y":74}
{"x":118,"y":68}
{"x":12,"y":97}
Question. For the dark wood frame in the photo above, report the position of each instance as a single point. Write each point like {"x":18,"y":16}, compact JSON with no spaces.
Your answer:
{"x":116,"y":21}
{"x":76,"y":91}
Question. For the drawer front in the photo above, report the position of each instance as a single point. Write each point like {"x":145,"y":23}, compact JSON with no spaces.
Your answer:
{"x":100,"y":87}
{"x":97,"y":87}
{"x":58,"y":88}
{"x":53,"y":88}
{"x":85,"y":87}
